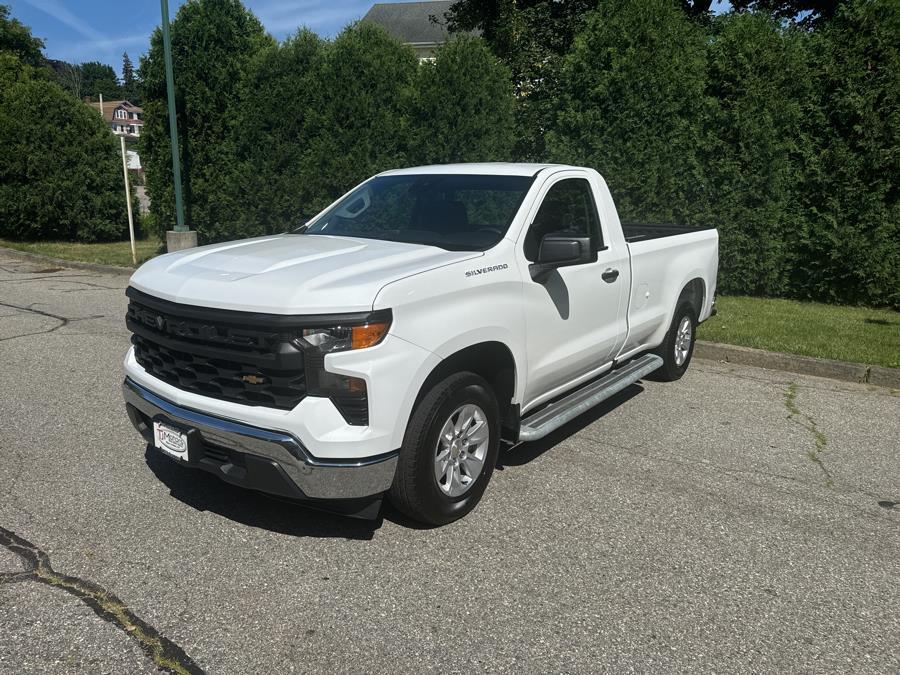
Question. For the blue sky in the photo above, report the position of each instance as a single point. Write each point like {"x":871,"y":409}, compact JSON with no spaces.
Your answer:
{"x":86,"y":30}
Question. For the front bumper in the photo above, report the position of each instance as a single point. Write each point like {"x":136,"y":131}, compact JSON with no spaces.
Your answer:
{"x":259,"y":459}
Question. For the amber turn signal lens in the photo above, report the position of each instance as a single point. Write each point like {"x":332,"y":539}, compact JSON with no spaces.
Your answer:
{"x":368,"y":336}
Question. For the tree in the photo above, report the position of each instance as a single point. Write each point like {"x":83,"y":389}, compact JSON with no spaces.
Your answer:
{"x":67,"y":75}
{"x":276,"y":183}
{"x":213,"y":45}
{"x":633,"y":106}
{"x":129,"y":82}
{"x":366,"y":87}
{"x":60,"y":170}
{"x":850,"y":250}
{"x":530,"y":37}
{"x":809,"y":12}
{"x":763,"y":87}
{"x":99,"y":78}
{"x":16,"y":39}
{"x":464,"y":108}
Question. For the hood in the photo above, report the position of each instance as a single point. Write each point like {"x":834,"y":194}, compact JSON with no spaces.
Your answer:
{"x":288,"y":274}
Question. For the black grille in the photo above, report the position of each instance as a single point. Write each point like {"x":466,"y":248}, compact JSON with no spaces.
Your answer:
{"x":247,"y":358}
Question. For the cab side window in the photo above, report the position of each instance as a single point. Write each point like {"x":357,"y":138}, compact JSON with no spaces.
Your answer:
{"x":568,"y":209}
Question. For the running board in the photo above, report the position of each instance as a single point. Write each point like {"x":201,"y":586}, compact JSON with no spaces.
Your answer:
{"x":553,"y":416}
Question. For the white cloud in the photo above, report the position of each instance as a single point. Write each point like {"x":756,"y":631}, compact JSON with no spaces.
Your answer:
{"x":89,"y":48}
{"x":286,"y":16}
{"x":61,"y":13}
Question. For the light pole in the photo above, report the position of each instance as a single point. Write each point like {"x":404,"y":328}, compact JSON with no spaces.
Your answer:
{"x":181,"y":237}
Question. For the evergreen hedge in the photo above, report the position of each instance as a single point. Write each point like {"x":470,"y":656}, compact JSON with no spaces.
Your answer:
{"x":60,"y":167}
{"x":464,"y":110}
{"x":784,"y":138}
{"x":213,"y":44}
{"x":632,"y":105}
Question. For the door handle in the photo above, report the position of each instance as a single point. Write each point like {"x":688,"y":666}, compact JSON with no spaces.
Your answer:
{"x":610,"y":275}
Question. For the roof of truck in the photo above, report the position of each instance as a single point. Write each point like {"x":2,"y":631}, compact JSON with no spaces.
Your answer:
{"x":489,"y":168}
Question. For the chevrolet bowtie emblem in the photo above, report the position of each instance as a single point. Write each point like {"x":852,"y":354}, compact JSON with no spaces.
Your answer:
{"x":253,"y":379}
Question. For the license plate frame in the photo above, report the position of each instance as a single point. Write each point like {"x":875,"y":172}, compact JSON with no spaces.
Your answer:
{"x":170,"y":440}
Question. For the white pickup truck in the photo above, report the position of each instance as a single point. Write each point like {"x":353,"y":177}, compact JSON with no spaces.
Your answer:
{"x":390,"y":343}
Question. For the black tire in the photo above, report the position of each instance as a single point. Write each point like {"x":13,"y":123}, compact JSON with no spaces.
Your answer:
{"x":671,"y":370}
{"x":415,"y":490}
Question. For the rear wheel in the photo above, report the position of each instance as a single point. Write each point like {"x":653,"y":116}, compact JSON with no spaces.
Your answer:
{"x":449,"y":451}
{"x":678,"y":347}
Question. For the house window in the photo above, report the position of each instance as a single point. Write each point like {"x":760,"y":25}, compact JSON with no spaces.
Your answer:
{"x":120,"y":114}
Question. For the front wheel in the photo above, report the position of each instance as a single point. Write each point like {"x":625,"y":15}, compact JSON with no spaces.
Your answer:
{"x":449,"y":451}
{"x":678,"y":347}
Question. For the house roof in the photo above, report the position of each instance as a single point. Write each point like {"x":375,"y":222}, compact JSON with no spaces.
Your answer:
{"x":109,"y":108}
{"x":411,"y":22}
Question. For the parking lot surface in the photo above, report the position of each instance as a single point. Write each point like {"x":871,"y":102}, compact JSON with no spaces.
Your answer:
{"x":739,"y":519}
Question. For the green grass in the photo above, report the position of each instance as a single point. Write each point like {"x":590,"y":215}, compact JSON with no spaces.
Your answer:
{"x":826,"y":331}
{"x":108,"y":253}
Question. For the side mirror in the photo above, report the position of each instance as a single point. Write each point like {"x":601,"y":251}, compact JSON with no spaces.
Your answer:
{"x":560,"y":251}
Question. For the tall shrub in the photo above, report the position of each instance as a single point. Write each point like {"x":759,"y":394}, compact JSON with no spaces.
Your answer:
{"x":365,"y":90}
{"x":60,"y":169}
{"x":531,"y":37}
{"x":274,"y":183}
{"x":633,"y":105}
{"x":213,"y":45}
{"x":850,"y":251}
{"x":464,"y":106}
{"x":758,"y":149}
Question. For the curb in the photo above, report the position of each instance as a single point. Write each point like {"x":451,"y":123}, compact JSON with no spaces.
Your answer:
{"x":805,"y":365}
{"x":62,"y":262}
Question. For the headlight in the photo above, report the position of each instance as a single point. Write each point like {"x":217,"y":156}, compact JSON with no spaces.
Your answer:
{"x":346,"y":332}
{"x":342,"y":338}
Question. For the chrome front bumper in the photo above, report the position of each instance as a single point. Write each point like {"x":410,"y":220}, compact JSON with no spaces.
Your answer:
{"x":269,"y":461}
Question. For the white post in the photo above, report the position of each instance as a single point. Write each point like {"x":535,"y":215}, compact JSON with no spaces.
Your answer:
{"x":128,"y":200}
{"x":101,"y":106}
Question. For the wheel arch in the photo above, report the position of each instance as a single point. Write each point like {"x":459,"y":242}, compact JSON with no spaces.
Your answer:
{"x":694,"y":292}
{"x":492,"y":360}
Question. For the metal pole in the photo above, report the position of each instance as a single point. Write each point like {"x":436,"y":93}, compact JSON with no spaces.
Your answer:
{"x":128,"y":200}
{"x":173,"y":123}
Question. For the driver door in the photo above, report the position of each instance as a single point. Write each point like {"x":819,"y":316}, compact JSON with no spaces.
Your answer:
{"x":575,"y":317}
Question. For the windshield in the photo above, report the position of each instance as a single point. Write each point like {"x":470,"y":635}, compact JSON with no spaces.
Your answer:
{"x":456,"y":212}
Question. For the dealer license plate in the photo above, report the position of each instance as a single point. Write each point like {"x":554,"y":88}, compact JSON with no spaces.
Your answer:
{"x":170,"y":440}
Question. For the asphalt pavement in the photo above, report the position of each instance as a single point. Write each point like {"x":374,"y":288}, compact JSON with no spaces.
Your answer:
{"x":738,"y":520}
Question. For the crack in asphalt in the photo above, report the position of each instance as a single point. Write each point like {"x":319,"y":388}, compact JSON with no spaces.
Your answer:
{"x":693,"y":463}
{"x":63,"y":321}
{"x":31,"y":309}
{"x":165,"y":654}
{"x":71,"y":280}
{"x":41,"y":269}
{"x":808,"y":423}
{"x":53,"y":277}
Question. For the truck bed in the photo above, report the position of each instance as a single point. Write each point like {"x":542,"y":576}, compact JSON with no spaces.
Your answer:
{"x":645,"y":231}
